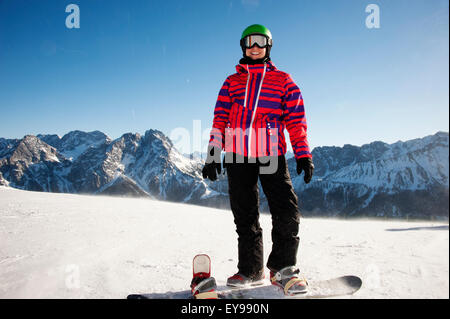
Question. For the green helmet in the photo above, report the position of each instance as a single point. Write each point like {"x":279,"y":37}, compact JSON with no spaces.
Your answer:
{"x":257,"y":29}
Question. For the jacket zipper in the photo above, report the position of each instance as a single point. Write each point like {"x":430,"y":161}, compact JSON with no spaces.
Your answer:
{"x":254,"y":112}
{"x":246,"y":87}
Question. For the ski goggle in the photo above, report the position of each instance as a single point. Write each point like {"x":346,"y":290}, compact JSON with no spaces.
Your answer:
{"x":260,"y":40}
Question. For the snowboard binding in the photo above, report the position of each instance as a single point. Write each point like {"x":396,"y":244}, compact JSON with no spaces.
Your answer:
{"x":203,"y":286}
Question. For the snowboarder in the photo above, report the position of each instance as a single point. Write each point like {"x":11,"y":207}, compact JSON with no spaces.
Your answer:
{"x":254,"y":107}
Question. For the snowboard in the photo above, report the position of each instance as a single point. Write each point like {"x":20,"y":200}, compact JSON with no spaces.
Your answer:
{"x":328,"y":288}
{"x":203,"y":286}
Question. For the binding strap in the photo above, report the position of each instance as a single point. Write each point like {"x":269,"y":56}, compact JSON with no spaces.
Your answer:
{"x":293,"y":282}
{"x":207,"y":295}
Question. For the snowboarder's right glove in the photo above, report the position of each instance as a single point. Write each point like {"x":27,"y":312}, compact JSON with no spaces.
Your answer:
{"x":213,"y":164}
{"x":305,"y":164}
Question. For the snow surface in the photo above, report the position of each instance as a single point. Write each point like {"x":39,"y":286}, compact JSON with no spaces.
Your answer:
{"x":74,"y":246}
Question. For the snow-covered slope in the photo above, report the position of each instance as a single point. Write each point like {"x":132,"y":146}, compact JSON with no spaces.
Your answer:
{"x":74,"y":246}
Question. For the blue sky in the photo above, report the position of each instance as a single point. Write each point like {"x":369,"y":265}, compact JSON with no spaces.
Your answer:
{"x":136,"y":65}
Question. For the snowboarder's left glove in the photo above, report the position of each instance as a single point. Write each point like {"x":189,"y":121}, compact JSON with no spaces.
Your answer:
{"x":213,"y":164}
{"x":305,"y":164}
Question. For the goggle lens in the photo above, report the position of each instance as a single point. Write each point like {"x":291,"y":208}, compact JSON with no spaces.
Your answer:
{"x":260,"y":40}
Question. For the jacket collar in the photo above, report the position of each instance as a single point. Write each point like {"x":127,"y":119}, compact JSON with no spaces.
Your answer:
{"x":255,"y":68}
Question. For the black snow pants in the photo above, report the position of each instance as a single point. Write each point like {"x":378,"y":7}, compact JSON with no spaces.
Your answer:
{"x":283,"y":205}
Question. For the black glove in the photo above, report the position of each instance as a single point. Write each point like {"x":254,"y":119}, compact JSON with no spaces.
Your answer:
{"x":305,"y":164}
{"x":213,"y":164}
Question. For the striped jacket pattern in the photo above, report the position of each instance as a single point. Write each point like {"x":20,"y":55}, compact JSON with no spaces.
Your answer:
{"x":253,"y":109}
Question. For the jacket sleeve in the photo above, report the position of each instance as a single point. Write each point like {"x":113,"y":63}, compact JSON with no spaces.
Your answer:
{"x":221,"y":114}
{"x":295,"y":120}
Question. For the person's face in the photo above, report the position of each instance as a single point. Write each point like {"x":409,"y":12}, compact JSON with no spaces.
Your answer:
{"x":255,"y":52}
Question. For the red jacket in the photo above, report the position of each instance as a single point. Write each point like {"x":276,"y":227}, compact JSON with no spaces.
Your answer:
{"x":256,"y":104}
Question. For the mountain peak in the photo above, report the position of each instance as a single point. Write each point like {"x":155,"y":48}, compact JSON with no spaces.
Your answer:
{"x":157,"y":139}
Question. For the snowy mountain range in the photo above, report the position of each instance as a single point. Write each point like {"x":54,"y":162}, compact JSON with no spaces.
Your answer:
{"x":404,"y":179}
{"x":92,"y":163}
